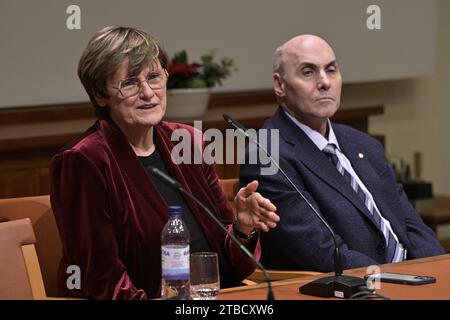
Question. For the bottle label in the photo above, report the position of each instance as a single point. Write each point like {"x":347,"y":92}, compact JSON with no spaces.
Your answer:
{"x":175,"y":262}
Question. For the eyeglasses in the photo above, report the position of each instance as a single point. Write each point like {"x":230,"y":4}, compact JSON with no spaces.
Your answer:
{"x":132,"y":86}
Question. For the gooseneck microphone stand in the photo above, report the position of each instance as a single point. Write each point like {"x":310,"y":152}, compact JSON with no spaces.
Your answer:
{"x":338,"y":285}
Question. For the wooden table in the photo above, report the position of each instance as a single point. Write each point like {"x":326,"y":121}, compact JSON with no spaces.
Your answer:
{"x":438,"y":267}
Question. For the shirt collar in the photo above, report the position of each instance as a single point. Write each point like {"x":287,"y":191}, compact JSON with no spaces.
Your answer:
{"x":315,"y":136}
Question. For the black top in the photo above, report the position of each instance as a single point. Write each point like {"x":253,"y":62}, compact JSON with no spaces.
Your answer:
{"x":173,"y":197}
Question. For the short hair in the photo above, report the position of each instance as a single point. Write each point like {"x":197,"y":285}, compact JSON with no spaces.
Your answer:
{"x":278,"y":61}
{"x":110,"y":47}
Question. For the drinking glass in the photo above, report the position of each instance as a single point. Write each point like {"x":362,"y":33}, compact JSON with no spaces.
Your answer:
{"x":205,"y":280}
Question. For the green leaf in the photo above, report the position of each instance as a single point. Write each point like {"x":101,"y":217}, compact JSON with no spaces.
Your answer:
{"x":211,"y":72}
{"x":180,"y":57}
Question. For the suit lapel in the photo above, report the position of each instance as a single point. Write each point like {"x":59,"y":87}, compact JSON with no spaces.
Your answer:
{"x":132,"y":168}
{"x":188,"y":176}
{"x":137,"y":175}
{"x":371,"y":175}
{"x":317,"y":162}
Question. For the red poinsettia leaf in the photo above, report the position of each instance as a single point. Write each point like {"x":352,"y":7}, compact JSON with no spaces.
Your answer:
{"x":183,"y":69}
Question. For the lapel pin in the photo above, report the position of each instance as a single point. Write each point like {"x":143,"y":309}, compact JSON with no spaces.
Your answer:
{"x":360,"y":155}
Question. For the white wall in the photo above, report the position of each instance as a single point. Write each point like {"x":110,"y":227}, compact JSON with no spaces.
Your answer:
{"x":417,"y":112}
{"x":443,"y":79}
{"x":410,"y":122}
{"x":39,"y":54}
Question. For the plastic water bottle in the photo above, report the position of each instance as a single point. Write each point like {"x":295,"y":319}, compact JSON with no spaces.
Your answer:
{"x":175,"y":257}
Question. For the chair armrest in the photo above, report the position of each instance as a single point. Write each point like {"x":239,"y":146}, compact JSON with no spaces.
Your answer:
{"x":248,"y":282}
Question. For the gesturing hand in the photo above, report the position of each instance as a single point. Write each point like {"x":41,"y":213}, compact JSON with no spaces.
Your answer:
{"x":253,"y":210}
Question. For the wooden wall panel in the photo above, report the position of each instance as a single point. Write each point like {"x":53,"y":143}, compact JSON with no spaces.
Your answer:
{"x":29,"y":137}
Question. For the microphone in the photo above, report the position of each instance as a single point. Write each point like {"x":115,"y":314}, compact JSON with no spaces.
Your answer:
{"x":339,"y":285}
{"x":236,"y":124}
{"x":176,"y":185}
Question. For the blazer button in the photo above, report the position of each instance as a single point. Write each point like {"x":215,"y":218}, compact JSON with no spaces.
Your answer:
{"x":380,"y":249}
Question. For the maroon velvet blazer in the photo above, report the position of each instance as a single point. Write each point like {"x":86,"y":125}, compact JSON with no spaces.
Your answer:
{"x":110,"y":215}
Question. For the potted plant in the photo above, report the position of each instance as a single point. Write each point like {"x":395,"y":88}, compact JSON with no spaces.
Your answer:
{"x":189,"y":84}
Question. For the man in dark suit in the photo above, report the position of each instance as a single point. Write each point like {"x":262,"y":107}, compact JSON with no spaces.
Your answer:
{"x":343,"y":172}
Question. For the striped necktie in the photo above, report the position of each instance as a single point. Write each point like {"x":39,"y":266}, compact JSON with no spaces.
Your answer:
{"x":395,"y":251}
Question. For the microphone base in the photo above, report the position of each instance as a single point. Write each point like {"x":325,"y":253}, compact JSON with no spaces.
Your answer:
{"x":335,"y":286}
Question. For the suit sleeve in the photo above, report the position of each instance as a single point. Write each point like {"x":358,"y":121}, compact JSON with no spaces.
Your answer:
{"x":300,"y":240}
{"x":423,"y":242}
{"x":79,"y":198}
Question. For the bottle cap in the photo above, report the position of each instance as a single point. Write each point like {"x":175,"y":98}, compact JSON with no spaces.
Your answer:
{"x":175,"y":210}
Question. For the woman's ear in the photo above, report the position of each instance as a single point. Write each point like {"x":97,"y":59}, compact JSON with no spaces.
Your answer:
{"x":102,"y":102}
{"x":278,"y":85}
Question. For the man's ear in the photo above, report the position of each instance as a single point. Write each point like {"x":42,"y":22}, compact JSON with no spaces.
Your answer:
{"x":278,"y":85}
